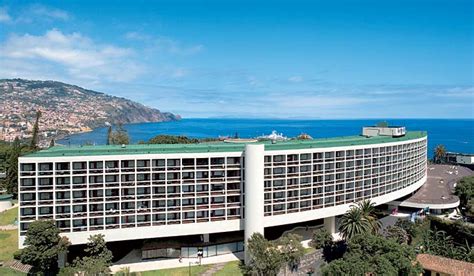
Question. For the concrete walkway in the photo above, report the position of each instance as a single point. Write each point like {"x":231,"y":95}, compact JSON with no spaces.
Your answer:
{"x":11,"y":207}
{"x":9,"y":226}
{"x":173,"y":263}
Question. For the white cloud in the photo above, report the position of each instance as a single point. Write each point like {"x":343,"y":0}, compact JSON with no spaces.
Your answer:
{"x":38,"y":12}
{"x":459,"y":91}
{"x":137,"y":36}
{"x":76,"y":55}
{"x":4,"y":16}
{"x":296,"y":79}
{"x":164,"y":44}
{"x":52,"y":13}
{"x":179,"y":73}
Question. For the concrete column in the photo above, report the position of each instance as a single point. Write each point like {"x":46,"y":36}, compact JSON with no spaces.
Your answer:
{"x":254,"y":188}
{"x":205,"y":238}
{"x":330,"y":224}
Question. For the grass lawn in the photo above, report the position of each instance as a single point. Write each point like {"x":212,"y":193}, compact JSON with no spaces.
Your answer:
{"x":8,"y":244}
{"x":8,"y":217}
{"x":230,"y":269}
{"x":180,"y":271}
{"x":4,"y":271}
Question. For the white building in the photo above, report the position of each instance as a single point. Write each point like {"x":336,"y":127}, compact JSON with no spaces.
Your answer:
{"x":154,"y":191}
{"x":460,"y":158}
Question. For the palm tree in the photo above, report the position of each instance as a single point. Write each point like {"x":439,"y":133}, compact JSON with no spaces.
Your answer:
{"x":35,"y":134}
{"x":368,"y":211}
{"x":440,"y":153}
{"x":354,"y":222}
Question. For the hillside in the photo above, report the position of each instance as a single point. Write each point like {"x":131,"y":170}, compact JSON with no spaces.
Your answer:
{"x":65,"y":108}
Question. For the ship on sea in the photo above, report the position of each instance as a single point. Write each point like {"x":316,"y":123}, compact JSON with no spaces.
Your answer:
{"x":274,"y":136}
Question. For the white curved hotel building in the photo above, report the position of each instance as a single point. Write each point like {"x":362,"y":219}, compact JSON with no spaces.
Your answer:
{"x":154,"y":191}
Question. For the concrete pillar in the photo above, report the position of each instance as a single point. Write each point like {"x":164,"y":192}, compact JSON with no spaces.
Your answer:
{"x":254,"y":188}
{"x":330,"y":224}
{"x":205,"y":238}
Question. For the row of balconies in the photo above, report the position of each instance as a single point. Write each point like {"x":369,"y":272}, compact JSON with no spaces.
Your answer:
{"x":332,"y":167}
{"x":277,"y":209}
{"x":94,"y":171}
{"x":361,"y":170}
{"x":328,"y":157}
{"x":291,"y":195}
{"x":297,"y":173}
{"x":65,"y":226}
{"x":47,"y":211}
{"x":290,"y":183}
{"x":344,"y":153}
{"x":177,"y":193}
{"x":96,"y":167}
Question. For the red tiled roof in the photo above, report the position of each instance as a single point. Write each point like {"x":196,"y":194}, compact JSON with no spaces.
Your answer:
{"x":445,"y":265}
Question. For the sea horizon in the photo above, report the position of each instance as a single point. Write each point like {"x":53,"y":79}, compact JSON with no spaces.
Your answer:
{"x":455,"y":134}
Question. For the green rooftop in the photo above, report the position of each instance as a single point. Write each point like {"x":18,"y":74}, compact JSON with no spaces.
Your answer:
{"x":58,"y":151}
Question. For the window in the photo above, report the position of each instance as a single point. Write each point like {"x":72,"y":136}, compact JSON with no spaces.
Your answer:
{"x":27,"y":182}
{"x":79,"y":208}
{"x":62,"y":166}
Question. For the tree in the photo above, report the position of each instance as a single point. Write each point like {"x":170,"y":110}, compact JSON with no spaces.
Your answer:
{"x":52,"y":143}
{"x":43,"y":244}
{"x":119,"y":136}
{"x":408,"y":226}
{"x":12,"y":152}
{"x":321,"y":238}
{"x":35,"y":134}
{"x":372,"y":254}
{"x":109,"y":136}
{"x":10,"y":182}
{"x":96,"y":260}
{"x":396,"y":233}
{"x":353,"y":222}
{"x":368,"y":211}
{"x":170,"y":139}
{"x":439,"y":243}
{"x":465,"y":191}
{"x":350,"y":265}
{"x":439,"y":153}
{"x":291,"y":248}
{"x":265,"y":257}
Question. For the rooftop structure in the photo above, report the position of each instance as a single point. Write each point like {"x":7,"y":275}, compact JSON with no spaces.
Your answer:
{"x":383,"y":129}
{"x":58,"y":151}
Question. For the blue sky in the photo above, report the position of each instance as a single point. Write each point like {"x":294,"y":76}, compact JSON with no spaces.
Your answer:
{"x":279,"y":59}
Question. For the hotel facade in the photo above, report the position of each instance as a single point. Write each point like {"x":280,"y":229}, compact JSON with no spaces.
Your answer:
{"x":158,"y":191}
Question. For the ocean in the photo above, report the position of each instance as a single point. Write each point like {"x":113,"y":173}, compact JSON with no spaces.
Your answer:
{"x":456,"y":134}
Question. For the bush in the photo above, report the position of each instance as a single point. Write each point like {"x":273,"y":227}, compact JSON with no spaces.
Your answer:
{"x":458,"y":229}
{"x":265,"y":257}
{"x":321,"y":238}
{"x":396,"y":233}
{"x":374,"y":254}
{"x":465,"y":192}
